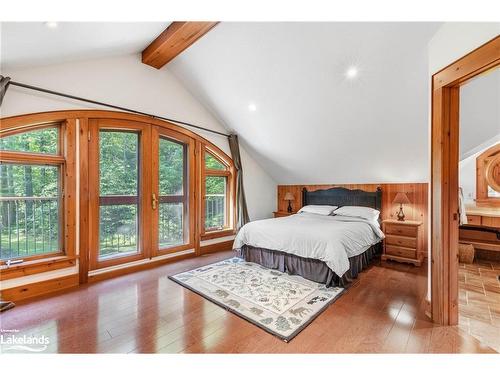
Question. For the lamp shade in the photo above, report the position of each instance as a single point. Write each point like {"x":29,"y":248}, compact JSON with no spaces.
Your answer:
{"x":288,"y":196}
{"x":401,"y":198}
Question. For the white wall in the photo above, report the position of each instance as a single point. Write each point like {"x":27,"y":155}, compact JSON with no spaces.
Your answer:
{"x":452,"y":41}
{"x":125,"y":81}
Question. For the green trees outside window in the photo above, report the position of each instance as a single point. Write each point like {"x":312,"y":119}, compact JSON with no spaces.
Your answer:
{"x":30,"y":197}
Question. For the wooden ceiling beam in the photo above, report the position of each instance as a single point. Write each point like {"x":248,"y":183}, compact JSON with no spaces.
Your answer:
{"x":173,"y":40}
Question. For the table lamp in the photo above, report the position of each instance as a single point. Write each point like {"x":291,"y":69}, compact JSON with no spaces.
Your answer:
{"x":289,"y":197}
{"x":401,"y":198}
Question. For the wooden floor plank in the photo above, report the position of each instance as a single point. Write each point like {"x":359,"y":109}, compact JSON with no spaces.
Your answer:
{"x":145,"y":312}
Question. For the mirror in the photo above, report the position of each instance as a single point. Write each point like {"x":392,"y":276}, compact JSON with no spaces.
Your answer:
{"x":492,"y":173}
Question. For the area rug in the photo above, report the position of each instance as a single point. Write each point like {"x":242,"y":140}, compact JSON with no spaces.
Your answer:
{"x":281,"y":304}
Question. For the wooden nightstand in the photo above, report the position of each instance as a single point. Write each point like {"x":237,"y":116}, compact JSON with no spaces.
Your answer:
{"x":403,"y":241}
{"x":283,"y":213}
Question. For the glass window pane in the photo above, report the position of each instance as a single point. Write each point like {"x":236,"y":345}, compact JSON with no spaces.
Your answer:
{"x":42,"y":141}
{"x":212,"y":163}
{"x":171,"y":224}
{"x":118,"y":230}
{"x":29,"y":209}
{"x":118,"y":182}
{"x":171,"y":164}
{"x":118,"y":162}
{"x":215,"y":202}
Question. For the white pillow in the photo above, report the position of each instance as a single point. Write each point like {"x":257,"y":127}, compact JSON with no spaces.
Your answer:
{"x":367,"y":213}
{"x":318,"y":209}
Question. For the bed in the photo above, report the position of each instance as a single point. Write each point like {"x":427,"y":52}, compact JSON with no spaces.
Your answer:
{"x":326,"y":249}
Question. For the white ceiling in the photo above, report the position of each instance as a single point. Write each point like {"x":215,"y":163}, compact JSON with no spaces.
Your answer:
{"x":311,"y":124}
{"x":25,"y":44}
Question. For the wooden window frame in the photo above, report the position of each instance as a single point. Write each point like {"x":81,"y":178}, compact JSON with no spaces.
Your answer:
{"x":77,"y":149}
{"x":143,"y":193}
{"x":229,"y":174}
{"x":189,"y":188}
{"x":444,"y":176}
{"x":65,"y":160}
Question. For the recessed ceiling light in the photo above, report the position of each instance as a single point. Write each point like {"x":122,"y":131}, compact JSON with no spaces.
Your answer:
{"x":51,"y":24}
{"x":352,"y":72}
{"x":252,"y":107}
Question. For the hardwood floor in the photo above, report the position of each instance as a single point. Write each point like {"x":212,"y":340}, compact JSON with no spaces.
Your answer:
{"x":147,"y":313}
{"x":479,"y":301}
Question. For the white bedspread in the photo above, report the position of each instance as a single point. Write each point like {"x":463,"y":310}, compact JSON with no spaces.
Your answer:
{"x":331,"y":239}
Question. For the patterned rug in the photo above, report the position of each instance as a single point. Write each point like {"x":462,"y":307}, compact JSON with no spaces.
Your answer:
{"x":281,"y":304}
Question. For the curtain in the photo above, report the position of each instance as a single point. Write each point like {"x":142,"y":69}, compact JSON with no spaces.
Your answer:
{"x":241,"y":203}
{"x":4,"y":84}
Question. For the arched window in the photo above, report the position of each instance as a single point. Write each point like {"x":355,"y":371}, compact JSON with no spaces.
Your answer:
{"x":130,"y":187}
{"x":37,"y":192}
{"x":217,"y":189}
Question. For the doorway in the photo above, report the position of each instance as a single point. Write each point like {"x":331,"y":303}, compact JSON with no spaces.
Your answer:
{"x":444,"y":176}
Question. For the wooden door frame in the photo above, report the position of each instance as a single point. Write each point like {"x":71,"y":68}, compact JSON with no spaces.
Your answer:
{"x":444,"y":176}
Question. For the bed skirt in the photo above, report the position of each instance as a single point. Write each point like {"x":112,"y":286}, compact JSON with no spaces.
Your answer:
{"x":311,"y":269}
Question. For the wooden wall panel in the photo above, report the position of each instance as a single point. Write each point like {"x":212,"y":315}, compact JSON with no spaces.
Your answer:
{"x":418,"y":193}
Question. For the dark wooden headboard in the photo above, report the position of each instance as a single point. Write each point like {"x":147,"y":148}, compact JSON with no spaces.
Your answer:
{"x":339,"y":196}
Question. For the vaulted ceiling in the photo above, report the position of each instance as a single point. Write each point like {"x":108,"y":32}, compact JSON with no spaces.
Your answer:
{"x":28,"y":44}
{"x":283,"y":88}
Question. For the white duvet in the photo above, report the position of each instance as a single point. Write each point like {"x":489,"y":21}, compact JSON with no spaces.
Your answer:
{"x":331,"y":239}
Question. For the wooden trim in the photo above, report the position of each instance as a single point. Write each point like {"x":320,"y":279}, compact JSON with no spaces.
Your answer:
{"x":84,"y":244}
{"x":444,"y":177}
{"x":61,"y":116}
{"x":69,"y":182}
{"x":173,"y":40}
{"x":138,"y":267}
{"x":471,"y":65}
{"x":39,"y":288}
{"x":30,"y":158}
{"x":32,"y":267}
{"x":215,"y":247}
{"x":217,"y":234}
{"x":8,"y":132}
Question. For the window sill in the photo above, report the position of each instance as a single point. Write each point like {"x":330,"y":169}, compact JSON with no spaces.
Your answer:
{"x":217,"y":234}
{"x":32,"y":267}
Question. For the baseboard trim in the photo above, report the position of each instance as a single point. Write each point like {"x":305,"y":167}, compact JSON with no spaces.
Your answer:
{"x":39,"y":288}
{"x":427,"y":308}
{"x":216,"y":247}
{"x":138,"y":267}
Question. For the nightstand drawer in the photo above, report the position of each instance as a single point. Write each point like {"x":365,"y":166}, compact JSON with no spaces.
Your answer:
{"x":474,"y":219}
{"x":400,"y":252}
{"x":401,"y":241}
{"x":401,"y":230}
